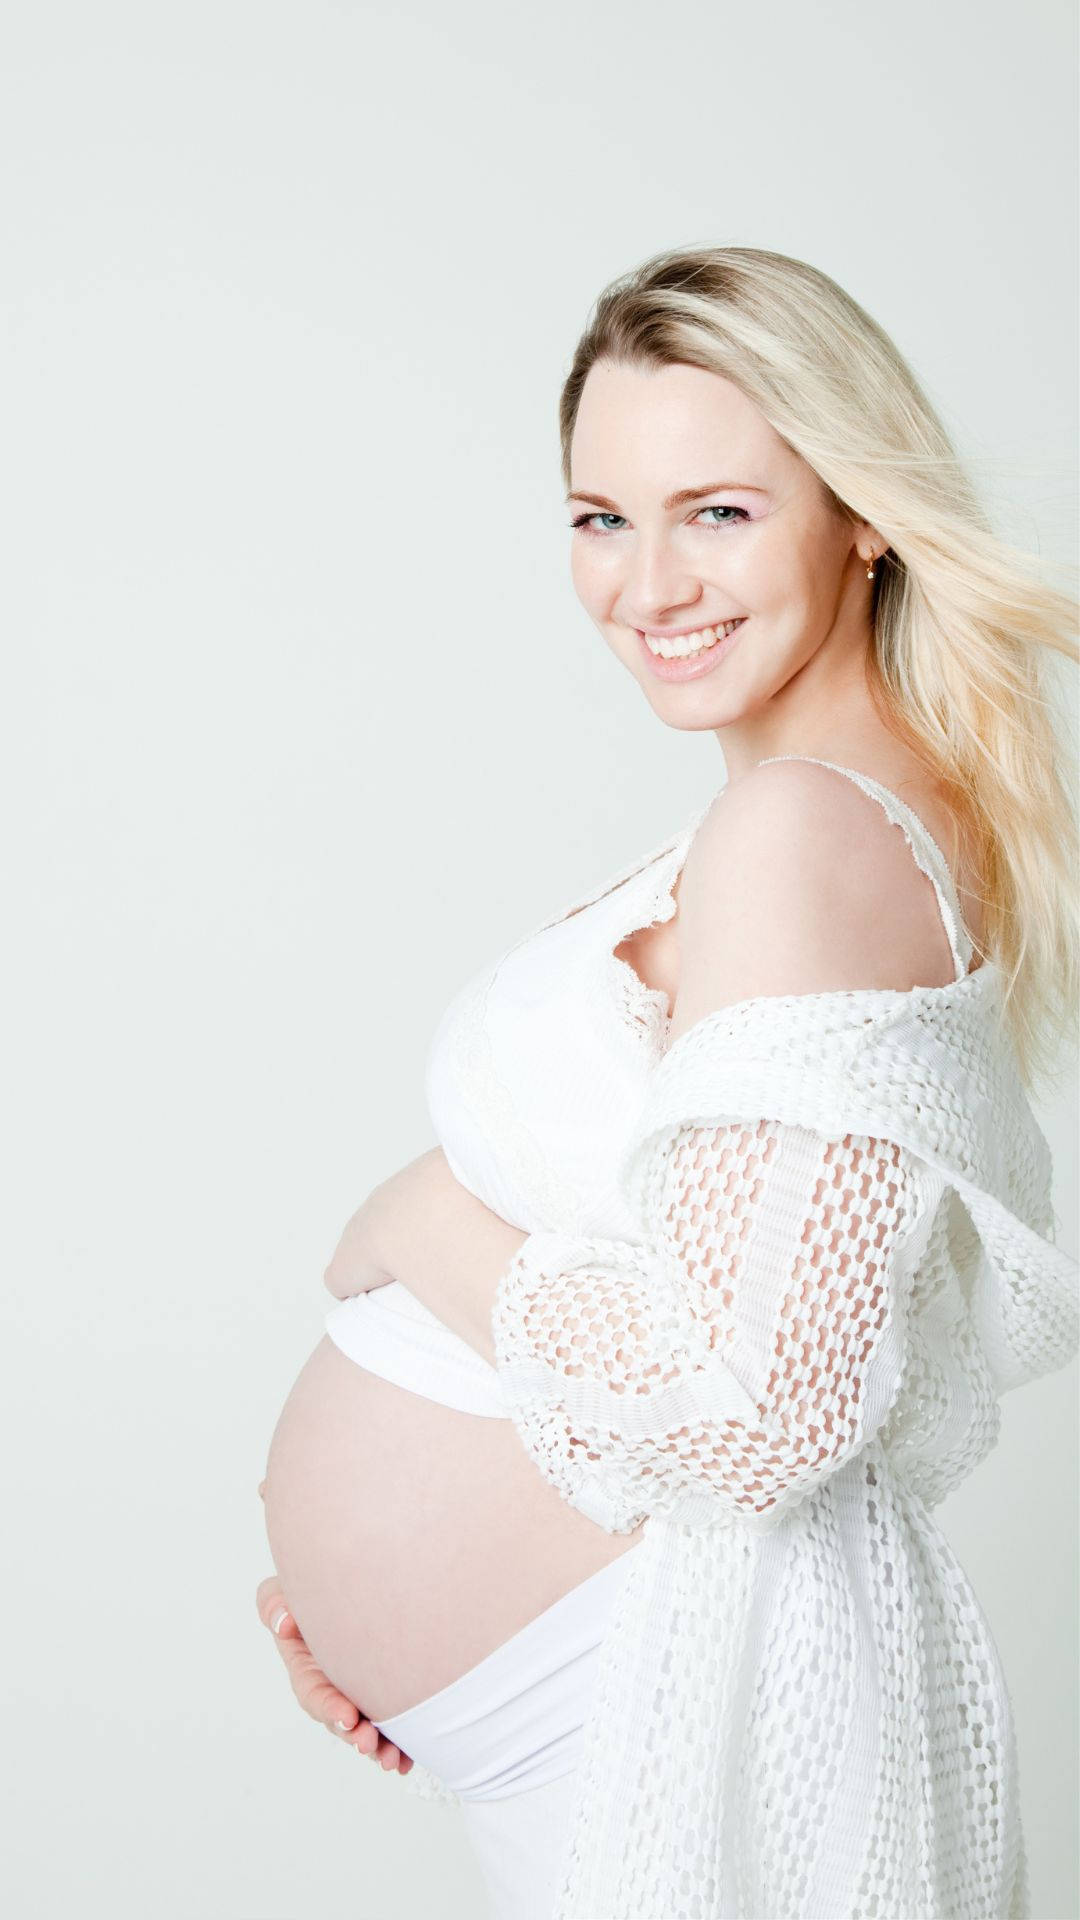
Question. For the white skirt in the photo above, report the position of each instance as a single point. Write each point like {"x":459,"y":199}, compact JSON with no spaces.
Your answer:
{"x":506,"y":1737}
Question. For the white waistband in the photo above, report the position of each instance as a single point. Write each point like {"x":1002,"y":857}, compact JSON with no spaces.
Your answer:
{"x":515,"y":1720}
{"x":391,"y":1333}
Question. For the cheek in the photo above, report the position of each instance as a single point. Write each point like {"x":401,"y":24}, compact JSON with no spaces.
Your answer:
{"x":775,"y":578}
{"x":591,"y":572}
{"x":756,"y":565}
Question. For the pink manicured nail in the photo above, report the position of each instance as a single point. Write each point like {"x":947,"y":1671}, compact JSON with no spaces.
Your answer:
{"x":277,"y":1620}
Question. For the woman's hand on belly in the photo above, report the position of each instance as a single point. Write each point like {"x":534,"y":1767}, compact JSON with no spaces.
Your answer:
{"x":317,"y":1695}
{"x":423,"y":1228}
{"x":353,"y":1268}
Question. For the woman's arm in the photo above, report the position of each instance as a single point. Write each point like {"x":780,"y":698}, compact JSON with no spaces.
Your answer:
{"x":423,"y":1228}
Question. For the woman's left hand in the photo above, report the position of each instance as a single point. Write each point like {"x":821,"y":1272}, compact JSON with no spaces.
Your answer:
{"x":316,"y":1694}
{"x":354,"y":1267}
{"x":423,"y":1228}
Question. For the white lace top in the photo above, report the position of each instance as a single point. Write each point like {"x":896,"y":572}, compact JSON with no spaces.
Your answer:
{"x":533,"y":1077}
{"x":777,"y":1276}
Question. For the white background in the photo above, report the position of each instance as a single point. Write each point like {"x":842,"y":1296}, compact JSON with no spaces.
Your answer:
{"x":288,"y":292}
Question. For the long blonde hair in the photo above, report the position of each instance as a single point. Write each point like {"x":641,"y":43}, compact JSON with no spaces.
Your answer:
{"x":961,"y":620}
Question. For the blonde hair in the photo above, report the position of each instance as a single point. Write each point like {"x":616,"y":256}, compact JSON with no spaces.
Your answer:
{"x":961,"y":620}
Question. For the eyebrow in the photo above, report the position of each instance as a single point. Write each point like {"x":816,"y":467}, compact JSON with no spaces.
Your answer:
{"x":680,"y":499}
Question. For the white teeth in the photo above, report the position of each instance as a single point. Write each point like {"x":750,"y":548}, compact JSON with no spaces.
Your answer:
{"x":687,"y":643}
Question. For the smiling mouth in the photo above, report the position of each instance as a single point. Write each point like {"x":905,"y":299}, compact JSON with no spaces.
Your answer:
{"x":683,"y":646}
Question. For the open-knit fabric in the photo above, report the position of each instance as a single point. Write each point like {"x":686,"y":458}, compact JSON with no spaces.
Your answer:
{"x":842,"y":1254}
{"x":749,"y":1348}
{"x":800,"y":1713}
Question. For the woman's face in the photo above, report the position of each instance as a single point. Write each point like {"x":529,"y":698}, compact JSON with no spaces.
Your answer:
{"x":761,"y":542}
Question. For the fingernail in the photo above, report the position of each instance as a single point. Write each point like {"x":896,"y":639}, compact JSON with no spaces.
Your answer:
{"x":342,"y":1726}
{"x":278,"y":1619}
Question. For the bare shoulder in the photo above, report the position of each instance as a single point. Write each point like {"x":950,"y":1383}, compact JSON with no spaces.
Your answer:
{"x":797,"y":882}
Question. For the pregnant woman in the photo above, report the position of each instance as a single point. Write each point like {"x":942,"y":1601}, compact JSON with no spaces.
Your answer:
{"x":608,"y":1498}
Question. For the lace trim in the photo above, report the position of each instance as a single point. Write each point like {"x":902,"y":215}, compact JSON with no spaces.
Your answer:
{"x":616,"y":986}
{"x":613,"y":989}
{"x":641,"y":1010}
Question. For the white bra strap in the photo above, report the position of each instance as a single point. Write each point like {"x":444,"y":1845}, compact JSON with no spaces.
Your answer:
{"x":928,"y":855}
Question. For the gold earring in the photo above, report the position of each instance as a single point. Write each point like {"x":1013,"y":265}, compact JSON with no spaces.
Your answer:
{"x":870,"y":568}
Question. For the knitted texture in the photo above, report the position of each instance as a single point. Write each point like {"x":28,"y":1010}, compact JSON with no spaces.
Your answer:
{"x":776,"y":1329}
{"x":845,"y":1254}
{"x":745,"y":1353}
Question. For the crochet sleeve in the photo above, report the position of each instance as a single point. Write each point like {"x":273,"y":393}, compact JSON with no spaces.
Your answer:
{"x":745,"y":1349}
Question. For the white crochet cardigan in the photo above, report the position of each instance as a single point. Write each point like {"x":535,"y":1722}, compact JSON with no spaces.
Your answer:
{"x":845,"y":1255}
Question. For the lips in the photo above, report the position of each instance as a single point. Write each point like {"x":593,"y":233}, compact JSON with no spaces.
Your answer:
{"x":690,"y":666}
{"x":702,"y":626}
{"x":690,"y":640}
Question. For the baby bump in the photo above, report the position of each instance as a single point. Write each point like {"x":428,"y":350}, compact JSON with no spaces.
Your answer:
{"x":412,"y":1539}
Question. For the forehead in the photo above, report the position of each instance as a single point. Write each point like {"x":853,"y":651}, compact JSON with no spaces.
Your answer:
{"x":676,"y":422}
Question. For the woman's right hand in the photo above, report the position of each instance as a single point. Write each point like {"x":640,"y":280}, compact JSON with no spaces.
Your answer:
{"x":317,"y":1695}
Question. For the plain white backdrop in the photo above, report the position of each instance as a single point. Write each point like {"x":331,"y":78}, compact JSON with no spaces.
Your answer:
{"x":302,"y":721}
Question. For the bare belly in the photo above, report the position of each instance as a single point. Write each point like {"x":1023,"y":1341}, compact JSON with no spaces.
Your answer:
{"x":412,"y":1540}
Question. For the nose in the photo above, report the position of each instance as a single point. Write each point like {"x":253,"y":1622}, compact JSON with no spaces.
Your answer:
{"x":656,"y":583}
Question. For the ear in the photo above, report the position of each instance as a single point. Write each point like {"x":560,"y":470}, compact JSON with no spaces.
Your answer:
{"x":868,"y":540}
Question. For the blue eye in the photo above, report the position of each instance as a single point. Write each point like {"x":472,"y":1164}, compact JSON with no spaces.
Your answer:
{"x":582,"y":523}
{"x":584,"y":518}
{"x":738,"y":511}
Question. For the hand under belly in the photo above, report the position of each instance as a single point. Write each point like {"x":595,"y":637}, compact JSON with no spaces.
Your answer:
{"x":412,"y":1540}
